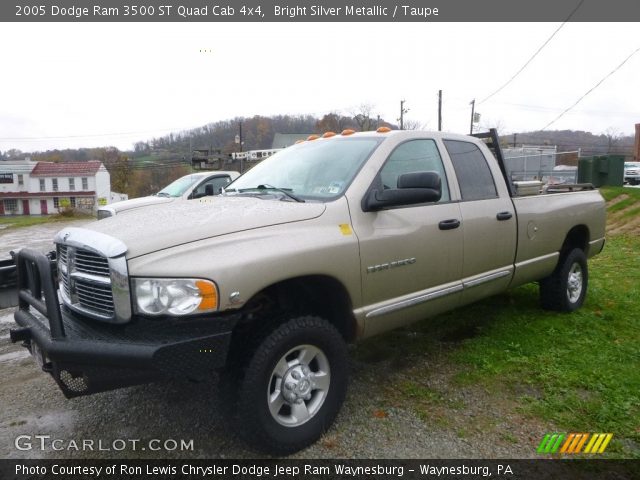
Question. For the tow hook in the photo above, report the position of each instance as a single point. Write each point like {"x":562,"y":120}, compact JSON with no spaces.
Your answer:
{"x":20,"y":334}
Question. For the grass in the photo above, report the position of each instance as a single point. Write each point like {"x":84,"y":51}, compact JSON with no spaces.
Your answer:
{"x":20,"y":221}
{"x":585,"y":364}
{"x":576,"y":372}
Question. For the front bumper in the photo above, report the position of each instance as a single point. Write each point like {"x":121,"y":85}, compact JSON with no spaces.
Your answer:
{"x":87,"y":356}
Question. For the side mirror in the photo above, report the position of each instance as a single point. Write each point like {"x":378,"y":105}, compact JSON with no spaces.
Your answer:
{"x":413,"y":188}
{"x":208,"y":190}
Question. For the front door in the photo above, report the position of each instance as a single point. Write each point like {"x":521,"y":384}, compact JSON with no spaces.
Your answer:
{"x":25,"y":207}
{"x":43,"y":207}
{"x":411,"y":256}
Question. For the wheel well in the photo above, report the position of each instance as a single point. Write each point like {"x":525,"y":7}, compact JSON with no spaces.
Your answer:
{"x":578,"y":237}
{"x":320,"y":295}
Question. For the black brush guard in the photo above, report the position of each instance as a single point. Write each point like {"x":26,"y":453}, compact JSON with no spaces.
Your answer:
{"x":86,"y":357}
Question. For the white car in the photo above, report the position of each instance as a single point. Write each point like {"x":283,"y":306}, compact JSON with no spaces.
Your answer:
{"x":632,"y":172}
{"x":189,"y":187}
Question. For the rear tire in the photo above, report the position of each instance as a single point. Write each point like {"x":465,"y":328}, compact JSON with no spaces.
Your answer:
{"x":293,"y":386}
{"x":565,"y":289}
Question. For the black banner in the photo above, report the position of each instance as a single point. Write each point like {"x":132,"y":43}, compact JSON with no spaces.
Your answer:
{"x":318,"y":469}
{"x":318,"y":11}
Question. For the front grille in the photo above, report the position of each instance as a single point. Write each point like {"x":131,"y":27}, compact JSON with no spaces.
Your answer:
{"x":85,"y":282}
{"x":92,"y":263}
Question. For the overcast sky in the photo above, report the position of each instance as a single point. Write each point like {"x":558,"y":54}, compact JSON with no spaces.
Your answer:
{"x":90,"y":84}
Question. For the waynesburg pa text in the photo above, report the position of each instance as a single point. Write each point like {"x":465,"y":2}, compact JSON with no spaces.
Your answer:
{"x":259,"y":470}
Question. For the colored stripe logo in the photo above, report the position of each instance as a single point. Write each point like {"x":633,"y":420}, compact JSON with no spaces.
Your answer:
{"x":571,"y":443}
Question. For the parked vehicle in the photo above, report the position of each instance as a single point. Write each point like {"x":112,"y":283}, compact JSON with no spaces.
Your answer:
{"x":632,"y":173}
{"x":326,"y":242}
{"x":189,"y":187}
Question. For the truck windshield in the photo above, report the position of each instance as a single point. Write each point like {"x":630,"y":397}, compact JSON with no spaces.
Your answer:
{"x":178,"y":187}
{"x":317,"y":170}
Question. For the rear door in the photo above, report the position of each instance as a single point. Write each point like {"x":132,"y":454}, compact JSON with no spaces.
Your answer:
{"x":488,"y":216}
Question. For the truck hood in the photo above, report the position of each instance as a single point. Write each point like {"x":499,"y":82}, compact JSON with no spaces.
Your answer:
{"x":139,"y":202}
{"x":158,"y":227}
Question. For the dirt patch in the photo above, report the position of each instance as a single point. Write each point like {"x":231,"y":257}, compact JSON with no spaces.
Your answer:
{"x":617,"y":199}
{"x":620,"y":222}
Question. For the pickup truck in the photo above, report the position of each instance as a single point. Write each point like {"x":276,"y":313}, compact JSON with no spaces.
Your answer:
{"x":330,"y":241}
{"x":189,"y":187}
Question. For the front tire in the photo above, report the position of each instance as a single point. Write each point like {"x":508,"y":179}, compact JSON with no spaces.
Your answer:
{"x":293,"y":387}
{"x":565,"y":289}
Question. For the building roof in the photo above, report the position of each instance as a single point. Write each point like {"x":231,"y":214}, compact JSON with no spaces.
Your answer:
{"x":16,"y":166}
{"x":71,"y":169}
{"x":283,"y":140}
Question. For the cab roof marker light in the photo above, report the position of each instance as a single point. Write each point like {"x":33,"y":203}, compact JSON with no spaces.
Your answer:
{"x":348,"y":131}
{"x":313,"y":137}
{"x":383,"y":130}
{"x":299,"y":141}
{"x":329,"y":134}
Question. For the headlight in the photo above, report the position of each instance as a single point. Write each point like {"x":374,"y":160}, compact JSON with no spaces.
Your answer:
{"x":174,"y":296}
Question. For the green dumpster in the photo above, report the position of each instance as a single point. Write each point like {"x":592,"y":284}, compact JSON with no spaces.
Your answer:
{"x":615,"y":171}
{"x":585,"y":170}
{"x":601,"y":170}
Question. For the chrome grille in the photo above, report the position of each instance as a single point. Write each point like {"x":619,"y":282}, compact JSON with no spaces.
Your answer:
{"x":92,"y":263}
{"x":85,"y":282}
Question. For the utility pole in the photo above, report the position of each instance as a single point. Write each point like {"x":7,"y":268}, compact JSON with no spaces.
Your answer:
{"x":514,"y":139}
{"x":239,"y":142}
{"x":439,"y":110}
{"x":402,"y":112}
{"x":473,"y":107}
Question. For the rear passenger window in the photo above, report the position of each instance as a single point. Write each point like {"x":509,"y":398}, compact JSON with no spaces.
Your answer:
{"x":474,"y":177}
{"x":414,"y":156}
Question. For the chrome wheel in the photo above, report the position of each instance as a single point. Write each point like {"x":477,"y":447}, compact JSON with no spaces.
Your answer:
{"x":574,"y":283}
{"x":299,"y":385}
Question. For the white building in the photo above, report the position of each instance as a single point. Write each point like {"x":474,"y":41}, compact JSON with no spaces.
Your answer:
{"x":36,"y":188}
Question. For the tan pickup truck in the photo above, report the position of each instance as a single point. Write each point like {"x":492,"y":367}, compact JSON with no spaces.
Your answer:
{"x":329,"y":241}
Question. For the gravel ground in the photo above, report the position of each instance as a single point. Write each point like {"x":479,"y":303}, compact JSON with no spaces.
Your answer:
{"x":375,"y":422}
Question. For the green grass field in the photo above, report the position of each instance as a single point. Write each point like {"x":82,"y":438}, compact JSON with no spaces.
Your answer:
{"x":20,"y":221}
{"x":577,"y":372}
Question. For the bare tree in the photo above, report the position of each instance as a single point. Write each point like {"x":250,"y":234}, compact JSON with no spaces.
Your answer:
{"x":613,"y":139}
{"x":415,"y":125}
{"x":496,"y":123}
{"x":362,"y":117}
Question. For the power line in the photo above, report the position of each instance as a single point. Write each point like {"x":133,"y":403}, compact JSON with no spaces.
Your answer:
{"x":592,"y":89}
{"x":536,"y":53}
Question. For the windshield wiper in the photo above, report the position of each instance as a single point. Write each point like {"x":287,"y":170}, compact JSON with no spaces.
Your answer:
{"x":286,"y":191}
{"x":162,"y":194}
{"x":266,"y":186}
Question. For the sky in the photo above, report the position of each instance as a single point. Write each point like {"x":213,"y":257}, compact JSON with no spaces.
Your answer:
{"x":71,"y":85}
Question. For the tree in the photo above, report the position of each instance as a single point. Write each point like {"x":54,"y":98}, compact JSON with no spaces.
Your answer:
{"x":332,"y":122}
{"x":414,"y":125}
{"x":363,"y":119}
{"x":613,"y":139}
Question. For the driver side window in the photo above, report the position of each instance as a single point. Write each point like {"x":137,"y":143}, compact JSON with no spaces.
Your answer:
{"x":414,"y":156}
{"x":217,"y":183}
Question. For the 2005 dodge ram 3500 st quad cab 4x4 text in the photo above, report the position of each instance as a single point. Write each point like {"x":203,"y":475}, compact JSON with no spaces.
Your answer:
{"x":329,"y":241}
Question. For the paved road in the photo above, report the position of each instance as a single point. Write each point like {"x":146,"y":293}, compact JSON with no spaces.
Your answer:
{"x":39,"y":237}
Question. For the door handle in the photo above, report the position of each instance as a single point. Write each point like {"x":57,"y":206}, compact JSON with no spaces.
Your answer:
{"x":449,"y":224}
{"x":504,"y":215}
